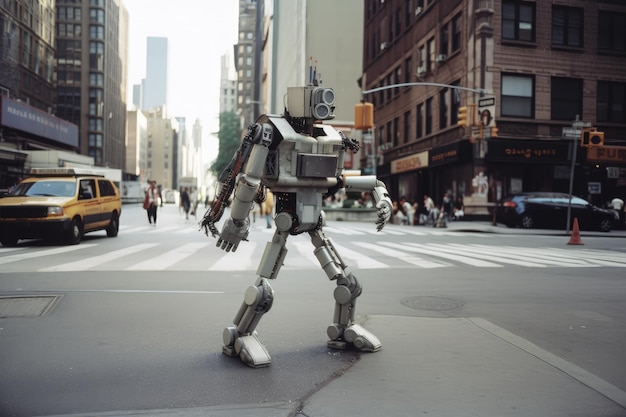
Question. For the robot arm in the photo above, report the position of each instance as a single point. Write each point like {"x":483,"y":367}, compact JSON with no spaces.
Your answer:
{"x":382,"y":200}
{"x":246,"y":186}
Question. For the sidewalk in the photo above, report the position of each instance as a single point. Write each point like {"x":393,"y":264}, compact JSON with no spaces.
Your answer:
{"x":488,"y":227}
{"x":453,"y":367}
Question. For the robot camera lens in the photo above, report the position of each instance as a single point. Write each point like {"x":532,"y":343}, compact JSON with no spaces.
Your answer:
{"x":328,"y":96}
{"x":321,"y":111}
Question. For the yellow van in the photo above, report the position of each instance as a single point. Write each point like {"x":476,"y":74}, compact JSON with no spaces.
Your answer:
{"x":58,"y":203}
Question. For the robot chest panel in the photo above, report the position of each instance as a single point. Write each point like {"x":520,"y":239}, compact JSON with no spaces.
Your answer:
{"x":283,"y":163}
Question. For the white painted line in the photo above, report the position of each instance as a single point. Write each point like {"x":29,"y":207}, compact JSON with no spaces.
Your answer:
{"x":427,"y":250}
{"x":241,"y":260}
{"x":46,"y":252}
{"x":168,"y":259}
{"x":88,"y":263}
{"x":401,"y":256}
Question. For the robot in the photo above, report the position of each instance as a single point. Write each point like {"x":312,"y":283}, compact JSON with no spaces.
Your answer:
{"x":300,"y":160}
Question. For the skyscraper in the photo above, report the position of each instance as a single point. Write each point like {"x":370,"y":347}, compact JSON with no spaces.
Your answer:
{"x":155,"y":83}
{"x":91,"y":75}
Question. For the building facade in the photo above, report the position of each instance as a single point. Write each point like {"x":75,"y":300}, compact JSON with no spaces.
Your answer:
{"x":546,"y":64}
{"x":91,"y":53}
{"x":154,"y":87}
{"x":246,"y":56}
{"x":27,"y":90}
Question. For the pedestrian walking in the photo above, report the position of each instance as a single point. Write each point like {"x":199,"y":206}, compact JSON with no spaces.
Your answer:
{"x":151,"y":202}
{"x":185,"y":201}
{"x":267,"y":208}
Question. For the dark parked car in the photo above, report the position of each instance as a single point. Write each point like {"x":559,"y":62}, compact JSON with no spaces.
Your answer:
{"x":549,"y":210}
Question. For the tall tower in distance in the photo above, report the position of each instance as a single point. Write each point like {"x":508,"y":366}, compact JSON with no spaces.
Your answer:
{"x":154,"y":88}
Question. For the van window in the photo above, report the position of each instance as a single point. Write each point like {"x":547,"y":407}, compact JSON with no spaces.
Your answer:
{"x":87,"y":188}
{"x":106,"y":188}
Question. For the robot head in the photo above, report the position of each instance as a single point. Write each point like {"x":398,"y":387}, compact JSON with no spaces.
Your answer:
{"x":311,"y":102}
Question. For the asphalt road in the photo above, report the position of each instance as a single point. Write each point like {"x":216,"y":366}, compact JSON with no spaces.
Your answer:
{"x":134,"y":330}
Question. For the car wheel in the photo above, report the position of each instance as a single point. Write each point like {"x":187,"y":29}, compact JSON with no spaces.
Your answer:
{"x":606,"y":225}
{"x":75,"y":233}
{"x":114,"y":225}
{"x":8,"y":241}
{"x":527,"y":221}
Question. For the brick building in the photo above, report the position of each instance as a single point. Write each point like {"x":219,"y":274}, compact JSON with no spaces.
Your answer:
{"x":546,"y":64}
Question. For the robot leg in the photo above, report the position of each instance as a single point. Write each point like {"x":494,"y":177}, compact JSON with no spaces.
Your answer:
{"x":343,"y":330}
{"x":241,"y":339}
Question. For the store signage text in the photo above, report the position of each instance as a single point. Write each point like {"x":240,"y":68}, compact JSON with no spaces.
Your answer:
{"x":607,"y":153}
{"x":416,"y":161}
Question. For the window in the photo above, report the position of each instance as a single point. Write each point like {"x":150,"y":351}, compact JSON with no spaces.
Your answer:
{"x":429,"y":116}
{"x":518,"y":20}
{"x":456,"y":32}
{"x":407,"y":70}
{"x":612,"y":31}
{"x":96,"y":16}
{"x":567,"y":26}
{"x":566,"y":100}
{"x":430,"y":63}
{"x":455,"y":100}
{"x":106,"y":188}
{"x":443,"y":39}
{"x":517,"y":96}
{"x":421,"y":57}
{"x":398,"y":79}
{"x":96,"y":32}
{"x":396,"y":131}
{"x":418,"y":121}
{"x":611,"y":105}
{"x":407,"y":125}
{"x":443,"y":108}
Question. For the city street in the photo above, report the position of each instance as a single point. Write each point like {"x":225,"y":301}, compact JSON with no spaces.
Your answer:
{"x":475,"y":319}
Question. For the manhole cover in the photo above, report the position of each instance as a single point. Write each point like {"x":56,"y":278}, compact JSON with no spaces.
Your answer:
{"x":27,"y":305}
{"x":432,"y":303}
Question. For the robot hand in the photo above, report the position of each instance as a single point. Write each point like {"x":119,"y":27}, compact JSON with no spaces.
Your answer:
{"x":383,"y":208}
{"x":232,"y":233}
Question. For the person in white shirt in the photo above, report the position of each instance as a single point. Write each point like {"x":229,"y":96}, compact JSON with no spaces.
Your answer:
{"x":618,"y":205}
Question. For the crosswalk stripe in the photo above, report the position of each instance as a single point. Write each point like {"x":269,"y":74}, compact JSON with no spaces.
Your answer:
{"x":361,"y":261}
{"x":396,"y":254}
{"x":492,"y":254}
{"x":544,"y":256}
{"x":99,"y":260}
{"x":425,"y":249}
{"x":342,"y":231}
{"x":38,"y":254}
{"x":241,"y":260}
{"x":169,"y":258}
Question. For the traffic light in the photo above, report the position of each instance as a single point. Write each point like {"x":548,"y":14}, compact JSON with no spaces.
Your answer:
{"x":494,"y":132}
{"x":364,"y":116}
{"x":462,"y":119}
{"x":591,"y":138}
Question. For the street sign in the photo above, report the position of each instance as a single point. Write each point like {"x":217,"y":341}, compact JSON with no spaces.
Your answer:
{"x":487,"y":111}
{"x":571,"y":133}
{"x":579,"y":124}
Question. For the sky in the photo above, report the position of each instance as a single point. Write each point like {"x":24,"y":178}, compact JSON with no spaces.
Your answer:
{"x":199,"y":32}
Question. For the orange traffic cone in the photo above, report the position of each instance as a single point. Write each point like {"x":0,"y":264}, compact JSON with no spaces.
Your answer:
{"x":575,"y":237}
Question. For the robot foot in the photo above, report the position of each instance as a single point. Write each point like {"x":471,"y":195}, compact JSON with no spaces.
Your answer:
{"x":356,"y":335}
{"x":249,"y":349}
